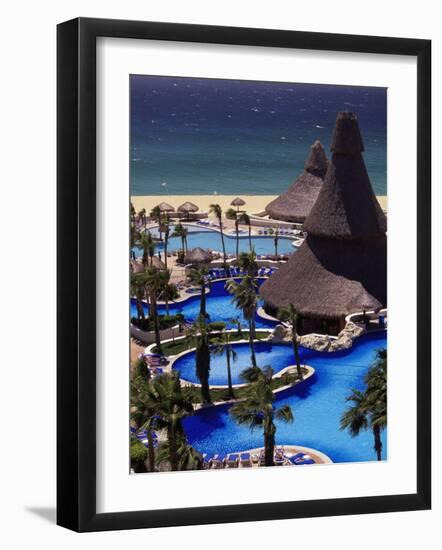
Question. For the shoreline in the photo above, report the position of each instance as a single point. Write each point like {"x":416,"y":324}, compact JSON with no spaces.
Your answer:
{"x":254,"y":203}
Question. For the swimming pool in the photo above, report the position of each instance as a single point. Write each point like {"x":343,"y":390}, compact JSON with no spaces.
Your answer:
{"x":208,"y":238}
{"x":218,"y":306}
{"x":277,"y":356}
{"x":317,"y":406}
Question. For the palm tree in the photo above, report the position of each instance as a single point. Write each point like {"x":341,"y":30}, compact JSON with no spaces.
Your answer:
{"x":198,"y":276}
{"x":223,"y":346}
{"x":275,"y":242}
{"x":245,"y":298}
{"x":201,"y":331}
{"x":217,"y":211}
{"x":257,"y":409}
{"x":188,"y":457}
{"x":137,"y":289}
{"x":156,"y":215}
{"x":148,"y":245}
{"x":290,"y":314}
{"x":169,"y":405}
{"x":168,"y":290}
{"x":247,"y":262}
{"x":142,"y":217}
{"x":133,"y":213}
{"x":143,"y":414}
{"x":153,"y":287}
{"x":245,"y":219}
{"x":181,"y":231}
{"x":369,"y":407}
{"x":165,"y":224}
{"x":232,"y":214}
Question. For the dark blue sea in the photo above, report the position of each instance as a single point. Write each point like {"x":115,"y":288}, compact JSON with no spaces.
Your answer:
{"x":201,"y":136}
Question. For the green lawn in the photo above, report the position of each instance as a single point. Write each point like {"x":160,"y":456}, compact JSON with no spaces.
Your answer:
{"x":184,"y":344}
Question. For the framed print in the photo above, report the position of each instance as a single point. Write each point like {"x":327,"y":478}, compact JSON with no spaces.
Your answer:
{"x":229,"y":295}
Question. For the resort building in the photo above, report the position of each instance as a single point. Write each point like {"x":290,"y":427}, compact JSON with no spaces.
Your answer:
{"x":341,"y":267}
{"x":295,"y":204}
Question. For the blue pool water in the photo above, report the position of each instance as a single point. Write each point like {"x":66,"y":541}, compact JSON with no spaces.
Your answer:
{"x":276,"y":356}
{"x":207,"y":238}
{"x":218,"y":306}
{"x":317,"y":406}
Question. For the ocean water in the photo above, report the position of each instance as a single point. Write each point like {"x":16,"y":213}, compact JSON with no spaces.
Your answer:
{"x":204,"y":136}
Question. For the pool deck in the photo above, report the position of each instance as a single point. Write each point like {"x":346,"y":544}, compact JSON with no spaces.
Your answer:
{"x":288,"y":451}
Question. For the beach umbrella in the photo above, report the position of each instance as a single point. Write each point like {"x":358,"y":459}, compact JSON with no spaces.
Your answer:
{"x":187,"y":208}
{"x":238,"y":202}
{"x":166,"y":207}
{"x":198,"y":256}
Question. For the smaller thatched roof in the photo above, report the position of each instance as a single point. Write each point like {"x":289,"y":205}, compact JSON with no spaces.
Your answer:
{"x":188,"y":207}
{"x":166,"y":207}
{"x":238,"y":202}
{"x":159,"y":264}
{"x":198,"y":256}
{"x":295,"y":204}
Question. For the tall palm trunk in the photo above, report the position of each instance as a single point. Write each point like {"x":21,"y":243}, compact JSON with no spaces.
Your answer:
{"x":166,"y":242}
{"x":156,"y":325}
{"x":250,"y":238}
{"x":276,"y":247}
{"x":150,"y":450}
{"x":251,"y":341}
{"x":173,"y":448}
{"x":296,"y":351}
{"x":203,"y":300}
{"x":140,"y":310}
{"x":237,"y":235}
{"x":269,"y":444}
{"x":229,"y":373}
{"x":222,"y":242}
{"x":377,"y":441}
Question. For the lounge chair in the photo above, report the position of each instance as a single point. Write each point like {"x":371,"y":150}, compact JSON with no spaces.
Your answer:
{"x":232,"y":461}
{"x":217,"y":462}
{"x":245,"y":460}
{"x":298,"y":456}
{"x":303,"y":462}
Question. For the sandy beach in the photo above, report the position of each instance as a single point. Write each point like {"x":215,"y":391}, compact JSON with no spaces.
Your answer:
{"x":254,"y":203}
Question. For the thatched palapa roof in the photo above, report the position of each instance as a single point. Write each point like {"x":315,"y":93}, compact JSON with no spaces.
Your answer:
{"x":187,"y":207}
{"x":198,"y":256}
{"x":238,"y":202}
{"x":166,"y":207}
{"x":341,"y":268}
{"x":295,"y":204}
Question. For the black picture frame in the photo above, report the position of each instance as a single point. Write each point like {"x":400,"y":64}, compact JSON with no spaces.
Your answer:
{"x":76,"y":273}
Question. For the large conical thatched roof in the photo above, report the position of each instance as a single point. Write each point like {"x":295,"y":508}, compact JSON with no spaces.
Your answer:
{"x":188,"y":207}
{"x":166,"y":207}
{"x":295,"y":204}
{"x":198,"y":256}
{"x":341,"y":267}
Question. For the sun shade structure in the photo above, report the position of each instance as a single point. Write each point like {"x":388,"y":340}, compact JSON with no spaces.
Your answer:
{"x":341,"y":267}
{"x":238,"y":202}
{"x":187,"y":207}
{"x":166,"y":207}
{"x":295,"y":204}
{"x":198,"y":256}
